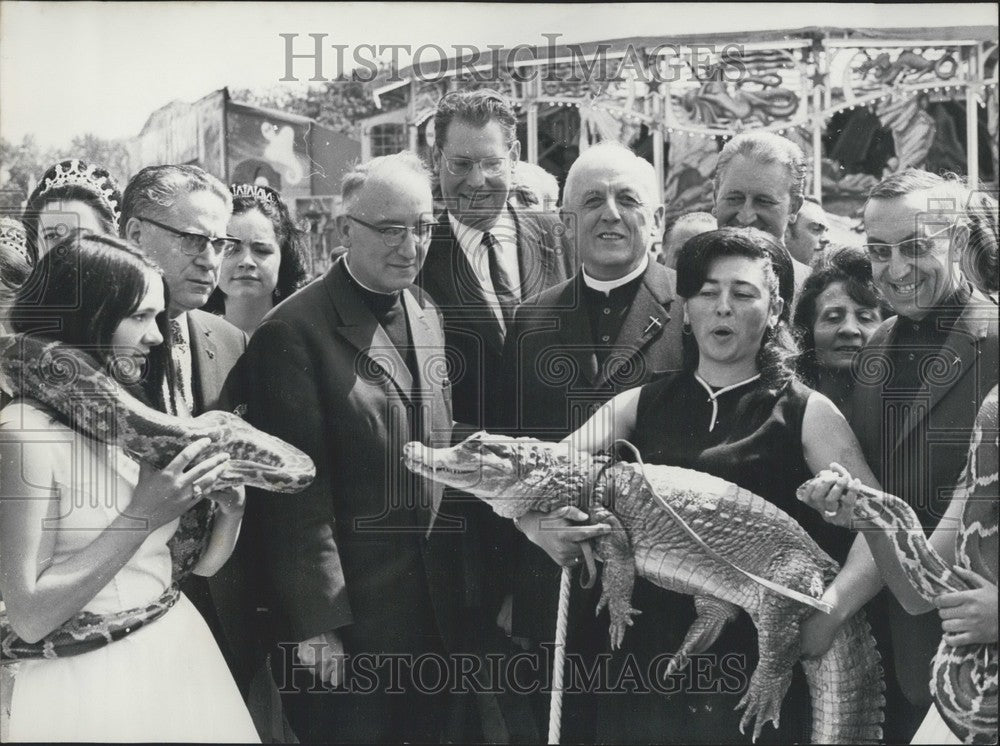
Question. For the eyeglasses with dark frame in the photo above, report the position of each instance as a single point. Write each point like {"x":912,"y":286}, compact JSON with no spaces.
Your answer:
{"x":192,"y":244}
{"x":491,"y":167}
{"x":393,"y":235}
{"x":911,"y":248}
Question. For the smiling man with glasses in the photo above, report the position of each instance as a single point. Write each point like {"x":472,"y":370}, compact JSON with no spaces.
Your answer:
{"x":920,"y":382}
{"x":485,"y":256}
{"x":368,"y":561}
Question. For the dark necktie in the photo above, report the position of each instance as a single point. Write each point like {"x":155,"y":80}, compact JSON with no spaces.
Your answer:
{"x":503,"y":288}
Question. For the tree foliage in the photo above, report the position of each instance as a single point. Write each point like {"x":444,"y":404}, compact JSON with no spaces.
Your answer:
{"x":337,"y":104}
{"x":23,"y":164}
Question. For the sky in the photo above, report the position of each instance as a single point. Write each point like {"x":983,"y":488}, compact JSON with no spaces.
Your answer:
{"x":102,"y":67}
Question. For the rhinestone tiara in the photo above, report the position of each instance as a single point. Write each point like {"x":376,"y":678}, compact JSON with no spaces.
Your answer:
{"x":78,"y":173}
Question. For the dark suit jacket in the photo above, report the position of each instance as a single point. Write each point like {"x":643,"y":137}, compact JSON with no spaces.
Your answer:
{"x":473,"y":333}
{"x":920,"y":457}
{"x":216,"y":345}
{"x":553,"y":385}
{"x":353,"y":552}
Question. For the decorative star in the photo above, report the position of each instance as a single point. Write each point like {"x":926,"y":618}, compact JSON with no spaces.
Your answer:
{"x":818,"y":79}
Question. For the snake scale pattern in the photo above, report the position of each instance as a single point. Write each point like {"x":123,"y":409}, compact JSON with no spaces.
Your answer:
{"x":963,"y":679}
{"x":66,"y":381}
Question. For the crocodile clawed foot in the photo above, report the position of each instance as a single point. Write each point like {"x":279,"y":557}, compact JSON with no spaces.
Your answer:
{"x":678,"y":662}
{"x":616,"y":593}
{"x":620,"y":619}
{"x":759,"y":710}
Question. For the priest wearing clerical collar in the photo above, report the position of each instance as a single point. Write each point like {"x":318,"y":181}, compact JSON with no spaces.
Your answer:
{"x":612,"y":326}
{"x":365,"y":561}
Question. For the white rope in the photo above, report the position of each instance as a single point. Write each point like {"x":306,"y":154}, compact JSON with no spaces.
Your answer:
{"x":559,"y":658}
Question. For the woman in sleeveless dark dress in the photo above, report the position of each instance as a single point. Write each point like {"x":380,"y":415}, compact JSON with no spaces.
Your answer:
{"x":735,"y":411}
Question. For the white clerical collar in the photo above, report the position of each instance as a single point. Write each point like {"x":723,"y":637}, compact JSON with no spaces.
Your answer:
{"x":347,"y":268}
{"x":606,"y":286}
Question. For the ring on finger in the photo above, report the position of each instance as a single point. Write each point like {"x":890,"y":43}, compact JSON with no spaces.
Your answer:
{"x":196,"y":490}
{"x":830,"y":513}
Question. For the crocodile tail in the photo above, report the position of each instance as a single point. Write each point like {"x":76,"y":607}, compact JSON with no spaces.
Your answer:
{"x":846,"y":686}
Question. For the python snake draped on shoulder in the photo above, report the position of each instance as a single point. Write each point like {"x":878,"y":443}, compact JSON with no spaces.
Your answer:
{"x":66,"y":380}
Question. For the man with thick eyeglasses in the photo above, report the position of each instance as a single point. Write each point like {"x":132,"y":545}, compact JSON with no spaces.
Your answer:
{"x":178,"y":215}
{"x":920,"y":382}
{"x":175,"y":213}
{"x":366,"y":562}
{"x":193,"y":244}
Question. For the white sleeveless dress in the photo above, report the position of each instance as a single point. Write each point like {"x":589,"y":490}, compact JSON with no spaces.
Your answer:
{"x":165,"y":682}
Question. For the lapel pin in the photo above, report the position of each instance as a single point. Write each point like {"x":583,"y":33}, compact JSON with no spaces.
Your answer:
{"x":211,"y":355}
{"x":654,"y":323}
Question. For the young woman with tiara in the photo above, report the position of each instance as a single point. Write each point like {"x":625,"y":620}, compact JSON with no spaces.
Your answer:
{"x":92,"y":543}
{"x":267,"y":268}
{"x":71,"y":195}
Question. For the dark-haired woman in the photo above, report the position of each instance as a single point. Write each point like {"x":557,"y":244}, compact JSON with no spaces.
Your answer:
{"x":71,"y":195}
{"x":267,"y":268}
{"x":84,"y":533}
{"x":736,"y":411}
{"x":838,"y":308}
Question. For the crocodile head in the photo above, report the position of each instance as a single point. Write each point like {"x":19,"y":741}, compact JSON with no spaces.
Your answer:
{"x":513,"y":475}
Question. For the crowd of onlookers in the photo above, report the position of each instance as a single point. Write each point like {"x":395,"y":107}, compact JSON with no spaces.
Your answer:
{"x":740,"y":343}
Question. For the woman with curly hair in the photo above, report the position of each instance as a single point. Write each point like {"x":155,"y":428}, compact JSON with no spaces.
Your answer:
{"x":266,"y":267}
{"x":838,"y":308}
{"x":737,"y":411}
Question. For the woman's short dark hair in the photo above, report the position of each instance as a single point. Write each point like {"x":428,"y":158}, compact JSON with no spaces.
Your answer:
{"x":778,"y":348}
{"x":69,"y":181}
{"x":844,"y":264}
{"x":70,"y":286}
{"x":291,"y":270}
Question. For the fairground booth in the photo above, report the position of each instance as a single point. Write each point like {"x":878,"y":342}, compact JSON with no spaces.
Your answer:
{"x":238,"y":142}
{"x":861,"y":103}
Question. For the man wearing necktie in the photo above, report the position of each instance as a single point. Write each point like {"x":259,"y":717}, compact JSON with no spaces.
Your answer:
{"x":613,"y":326}
{"x":178,"y":215}
{"x":485,"y":256}
{"x":366,"y":562}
